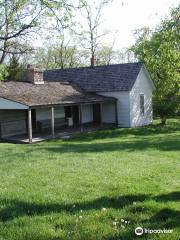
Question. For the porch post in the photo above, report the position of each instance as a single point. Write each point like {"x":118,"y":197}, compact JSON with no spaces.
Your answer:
{"x":101,"y":121}
{"x":116,"y":113}
{"x":80,"y":117}
{"x":52,"y":121}
{"x":30,"y":125}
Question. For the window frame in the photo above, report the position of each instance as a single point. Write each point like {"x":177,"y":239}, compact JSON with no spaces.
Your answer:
{"x":142,"y":103}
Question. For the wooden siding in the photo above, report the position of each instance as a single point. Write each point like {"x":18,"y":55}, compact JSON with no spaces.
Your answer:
{"x":143,"y":85}
{"x":123,"y":107}
{"x":108,"y":113}
{"x":87,"y":113}
{"x":12,"y":122}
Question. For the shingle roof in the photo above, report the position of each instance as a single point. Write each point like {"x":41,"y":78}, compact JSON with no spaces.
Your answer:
{"x":47,"y":94}
{"x":116,"y":77}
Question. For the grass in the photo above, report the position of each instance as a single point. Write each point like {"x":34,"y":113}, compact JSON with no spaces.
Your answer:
{"x":97,"y":186}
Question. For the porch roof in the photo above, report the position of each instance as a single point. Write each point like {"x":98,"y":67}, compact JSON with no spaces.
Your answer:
{"x":49,"y":93}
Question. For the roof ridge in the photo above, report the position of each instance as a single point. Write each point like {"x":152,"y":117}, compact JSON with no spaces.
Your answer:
{"x":114,"y":77}
{"x":89,"y":67}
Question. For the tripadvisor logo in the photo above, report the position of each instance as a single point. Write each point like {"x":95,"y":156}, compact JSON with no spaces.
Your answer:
{"x":139,"y":231}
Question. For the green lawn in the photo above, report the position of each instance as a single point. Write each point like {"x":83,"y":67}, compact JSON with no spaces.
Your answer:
{"x":97,"y":186}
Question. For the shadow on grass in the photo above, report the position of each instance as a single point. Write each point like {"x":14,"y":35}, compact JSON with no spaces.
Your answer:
{"x":174,"y":196}
{"x":165,"y":218}
{"x":152,"y":129}
{"x":16,"y":208}
{"x":164,"y":144}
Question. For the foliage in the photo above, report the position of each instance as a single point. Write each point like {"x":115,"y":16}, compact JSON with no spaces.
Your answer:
{"x":105,"y":55}
{"x":15,"y":70}
{"x":21,"y":19}
{"x":17,"y":18}
{"x":3,"y":72}
{"x":88,"y":186}
{"x":160,"y":51}
{"x":60,"y":56}
{"x":90,"y":37}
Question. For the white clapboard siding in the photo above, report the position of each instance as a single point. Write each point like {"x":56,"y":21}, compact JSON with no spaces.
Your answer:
{"x":123,"y":106}
{"x":108,"y":113}
{"x":87,"y":113}
{"x":143,"y":85}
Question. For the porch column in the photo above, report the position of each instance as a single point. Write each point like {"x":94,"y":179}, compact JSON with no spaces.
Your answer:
{"x":101,"y":121}
{"x":80,"y":117}
{"x":116,"y":113}
{"x":52,"y":121}
{"x":30,"y":125}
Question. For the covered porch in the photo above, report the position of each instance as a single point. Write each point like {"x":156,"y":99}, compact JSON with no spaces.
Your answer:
{"x":40,"y":123}
{"x":63,"y":133}
{"x":35,"y":112}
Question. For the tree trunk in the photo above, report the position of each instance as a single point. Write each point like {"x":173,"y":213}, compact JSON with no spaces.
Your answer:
{"x":163,"y":120}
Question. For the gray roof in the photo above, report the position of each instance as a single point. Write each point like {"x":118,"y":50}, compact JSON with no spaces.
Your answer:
{"x":116,"y":77}
{"x":49,"y":93}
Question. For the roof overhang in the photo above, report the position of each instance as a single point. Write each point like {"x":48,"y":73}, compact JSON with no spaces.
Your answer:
{"x":8,"y":104}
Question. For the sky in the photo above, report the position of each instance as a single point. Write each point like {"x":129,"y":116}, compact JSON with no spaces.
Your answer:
{"x":121,"y":17}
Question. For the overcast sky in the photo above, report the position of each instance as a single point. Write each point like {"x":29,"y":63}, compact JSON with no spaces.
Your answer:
{"x":123,"y":16}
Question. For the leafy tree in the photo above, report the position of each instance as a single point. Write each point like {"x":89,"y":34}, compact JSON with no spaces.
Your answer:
{"x":16,"y":21}
{"x":60,"y":56}
{"x":20,"y":19}
{"x":14,"y":71}
{"x":160,"y":51}
{"x":124,"y":55}
{"x":3,"y":72}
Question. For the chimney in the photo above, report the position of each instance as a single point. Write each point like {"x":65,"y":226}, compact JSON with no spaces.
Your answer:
{"x":93,"y":61}
{"x":34,"y":75}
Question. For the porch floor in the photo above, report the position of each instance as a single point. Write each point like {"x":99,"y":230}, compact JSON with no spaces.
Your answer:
{"x":66,"y":132}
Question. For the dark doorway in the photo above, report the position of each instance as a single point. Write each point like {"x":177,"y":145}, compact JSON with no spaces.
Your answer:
{"x":96,"y":113}
{"x":75,"y":114}
{"x":34,"y":125}
{"x":68,"y":112}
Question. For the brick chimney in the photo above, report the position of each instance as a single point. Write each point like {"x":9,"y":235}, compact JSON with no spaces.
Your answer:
{"x":34,"y":75}
{"x":93,"y":61}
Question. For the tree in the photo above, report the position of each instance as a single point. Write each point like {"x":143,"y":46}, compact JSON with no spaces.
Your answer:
{"x":60,"y":56}
{"x":15,"y":70}
{"x":15,"y":23}
{"x":3,"y":72}
{"x":160,"y":51}
{"x":91,"y":37}
{"x":20,"y":18}
{"x":105,"y":55}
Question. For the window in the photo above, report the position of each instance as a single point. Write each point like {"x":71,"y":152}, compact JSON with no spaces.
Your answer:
{"x":142,"y":104}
